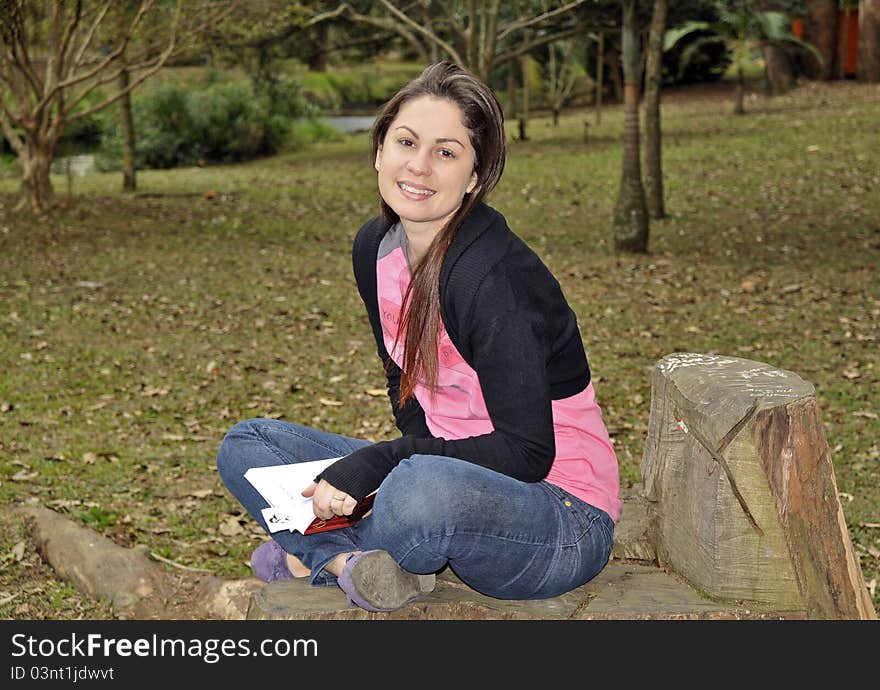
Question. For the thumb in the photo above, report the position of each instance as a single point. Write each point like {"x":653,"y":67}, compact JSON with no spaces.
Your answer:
{"x":309,"y":490}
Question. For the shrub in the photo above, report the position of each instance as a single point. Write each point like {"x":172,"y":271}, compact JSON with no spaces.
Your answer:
{"x":223,"y":122}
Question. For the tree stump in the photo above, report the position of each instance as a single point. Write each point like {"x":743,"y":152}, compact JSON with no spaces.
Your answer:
{"x":741,"y":490}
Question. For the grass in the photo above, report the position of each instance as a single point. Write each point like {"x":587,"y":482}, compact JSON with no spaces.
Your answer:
{"x":136,"y":329}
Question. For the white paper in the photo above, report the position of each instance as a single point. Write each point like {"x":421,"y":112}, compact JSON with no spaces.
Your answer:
{"x":282,"y":486}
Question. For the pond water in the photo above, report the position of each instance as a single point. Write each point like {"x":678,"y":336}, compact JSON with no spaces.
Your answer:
{"x":350,"y":123}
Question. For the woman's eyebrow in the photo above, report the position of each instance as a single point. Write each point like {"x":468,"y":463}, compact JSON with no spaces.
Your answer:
{"x":441,"y":140}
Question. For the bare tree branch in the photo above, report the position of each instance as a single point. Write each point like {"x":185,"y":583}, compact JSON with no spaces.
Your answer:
{"x":536,"y":43}
{"x":99,"y":17}
{"x":9,"y":132}
{"x":526,"y":22}
{"x":488,"y":53}
{"x":453,"y":53}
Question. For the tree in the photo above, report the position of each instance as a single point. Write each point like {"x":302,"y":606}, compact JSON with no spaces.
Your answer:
{"x":869,"y":40}
{"x":631,"y":214}
{"x":746,"y":31}
{"x":820,"y":29}
{"x":653,"y":85}
{"x":479,"y":36}
{"x":563,"y":70}
{"x":56,"y":56}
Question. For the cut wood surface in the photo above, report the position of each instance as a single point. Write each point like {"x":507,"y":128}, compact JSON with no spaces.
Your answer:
{"x":741,"y":488}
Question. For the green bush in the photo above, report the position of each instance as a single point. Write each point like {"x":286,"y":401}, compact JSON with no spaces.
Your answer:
{"x":223,"y":122}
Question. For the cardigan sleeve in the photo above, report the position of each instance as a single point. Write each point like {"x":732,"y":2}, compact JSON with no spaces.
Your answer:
{"x":506,"y":338}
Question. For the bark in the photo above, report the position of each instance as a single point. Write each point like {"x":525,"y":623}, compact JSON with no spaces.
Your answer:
{"x":738,"y":107}
{"x":843,"y":56}
{"x":524,"y":114}
{"x":631,"y":213}
{"x":600,"y":74}
{"x":778,"y":69}
{"x":741,"y":488}
{"x":511,"y":93}
{"x":820,"y":29}
{"x":614,"y":61}
{"x":653,"y":138}
{"x":129,"y":179}
{"x":318,"y":59}
{"x":36,"y":186}
{"x":869,"y":40}
{"x":136,"y":586}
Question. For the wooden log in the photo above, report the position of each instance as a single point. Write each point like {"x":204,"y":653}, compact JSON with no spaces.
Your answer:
{"x":741,"y":489}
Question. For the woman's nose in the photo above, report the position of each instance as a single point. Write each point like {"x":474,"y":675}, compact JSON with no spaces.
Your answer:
{"x":419,"y":163}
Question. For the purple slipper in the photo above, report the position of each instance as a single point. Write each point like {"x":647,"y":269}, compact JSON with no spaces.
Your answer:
{"x":269,"y":562}
{"x":374,"y":581}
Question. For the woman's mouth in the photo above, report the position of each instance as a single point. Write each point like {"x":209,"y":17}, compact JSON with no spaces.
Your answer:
{"x":415,"y":192}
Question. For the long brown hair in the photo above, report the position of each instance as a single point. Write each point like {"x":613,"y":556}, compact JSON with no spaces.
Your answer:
{"x":484,"y":119}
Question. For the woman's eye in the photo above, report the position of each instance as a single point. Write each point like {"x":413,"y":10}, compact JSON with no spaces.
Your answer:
{"x":446,"y":153}
{"x":405,"y":142}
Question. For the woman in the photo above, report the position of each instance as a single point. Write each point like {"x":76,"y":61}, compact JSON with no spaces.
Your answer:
{"x":504,"y":470}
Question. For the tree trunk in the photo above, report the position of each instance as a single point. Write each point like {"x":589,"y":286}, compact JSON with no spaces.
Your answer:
{"x":318,"y":59}
{"x":631,"y":214}
{"x":741,"y":489}
{"x":653,"y":86}
{"x":36,"y":185}
{"x":511,"y":92}
{"x":129,"y":180}
{"x":777,"y":68}
{"x":738,"y":108}
{"x":869,"y":40}
{"x":820,"y":29}
{"x":843,"y":56}
{"x":600,"y":73}
{"x":614,"y":60}
{"x":524,"y":115}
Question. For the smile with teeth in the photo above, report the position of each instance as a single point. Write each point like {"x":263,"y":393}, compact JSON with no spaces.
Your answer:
{"x":415,"y":190}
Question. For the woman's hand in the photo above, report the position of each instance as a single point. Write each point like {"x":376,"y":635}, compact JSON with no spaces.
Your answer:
{"x":328,"y":501}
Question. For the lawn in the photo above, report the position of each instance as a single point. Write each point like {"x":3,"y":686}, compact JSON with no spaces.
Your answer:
{"x":135,"y":329}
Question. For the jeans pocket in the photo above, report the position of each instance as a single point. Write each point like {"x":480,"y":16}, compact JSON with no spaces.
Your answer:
{"x":581,"y":514}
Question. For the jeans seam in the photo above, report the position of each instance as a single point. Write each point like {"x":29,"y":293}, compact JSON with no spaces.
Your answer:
{"x":258,"y":430}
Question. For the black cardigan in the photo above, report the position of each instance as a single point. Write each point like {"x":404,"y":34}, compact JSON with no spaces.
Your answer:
{"x":506,"y":315}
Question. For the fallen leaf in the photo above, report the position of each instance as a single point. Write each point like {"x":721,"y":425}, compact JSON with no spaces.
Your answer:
{"x":375,"y":391}
{"x":747,"y":286}
{"x":154,"y":391}
{"x":231,"y":528}
{"x":201,"y":493}
{"x":331,"y":403}
{"x":23,"y":476}
{"x":172,"y":437}
{"x":6,"y":407}
{"x":851,"y":374}
{"x":849,"y":497}
{"x":18,"y":551}
{"x":788,"y":289}
{"x":865,"y":413}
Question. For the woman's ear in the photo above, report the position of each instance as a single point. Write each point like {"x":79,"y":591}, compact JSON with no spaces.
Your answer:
{"x":472,"y":185}
{"x":378,"y":157}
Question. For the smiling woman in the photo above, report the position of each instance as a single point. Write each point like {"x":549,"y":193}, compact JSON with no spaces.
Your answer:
{"x":504,"y":471}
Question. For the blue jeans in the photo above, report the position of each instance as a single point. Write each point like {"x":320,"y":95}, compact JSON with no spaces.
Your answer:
{"x":504,"y":538}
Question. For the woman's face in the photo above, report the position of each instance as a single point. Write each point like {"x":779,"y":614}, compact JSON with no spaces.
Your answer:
{"x":426,"y":163}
